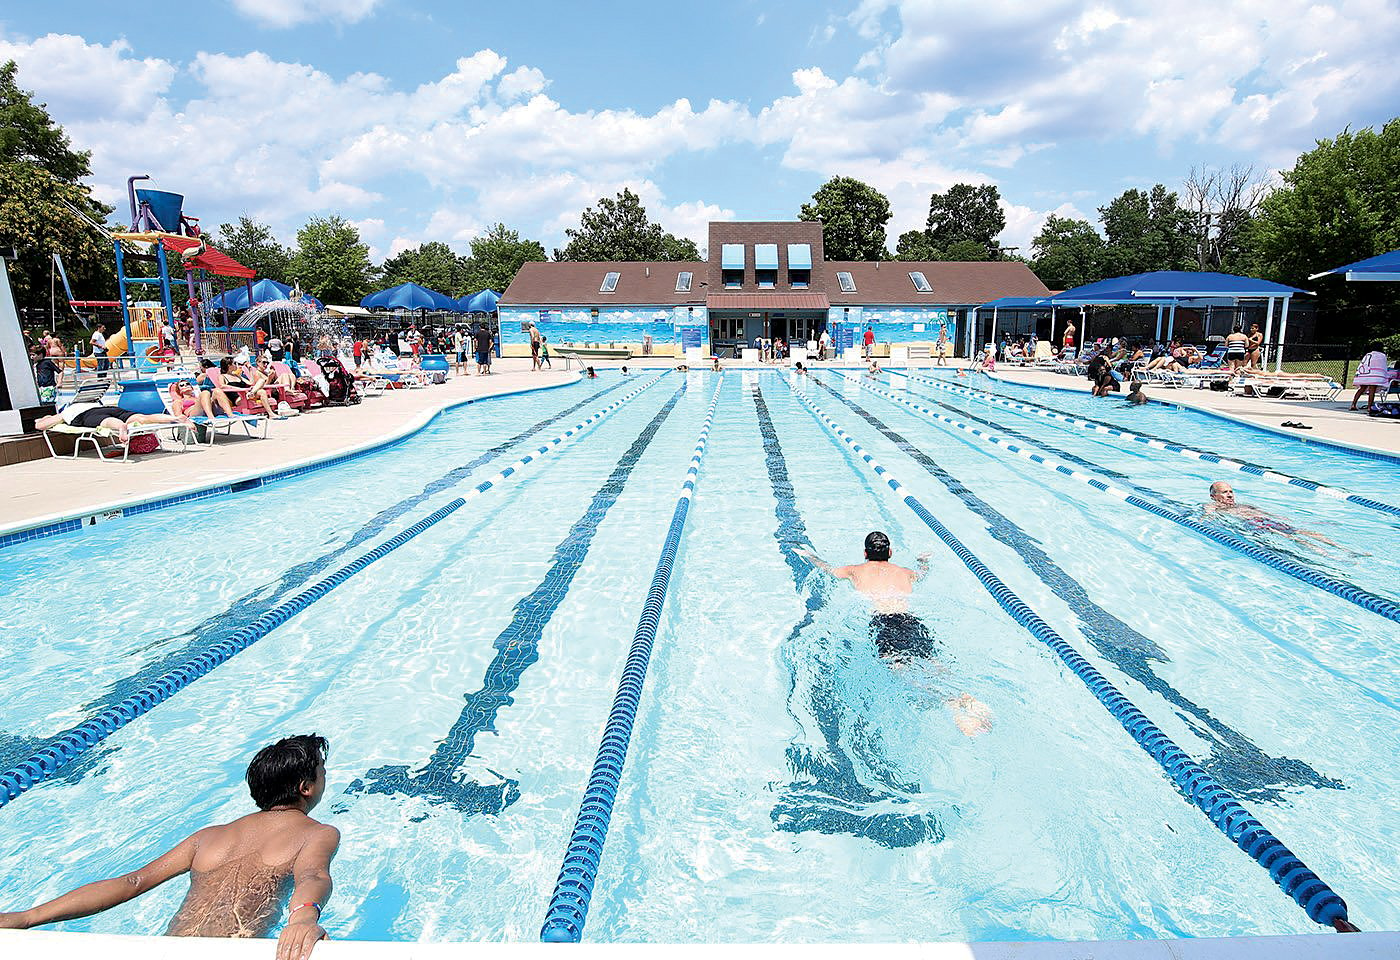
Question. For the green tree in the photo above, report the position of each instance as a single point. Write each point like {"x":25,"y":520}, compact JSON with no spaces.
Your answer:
{"x":619,"y":229}
{"x":853,"y":217}
{"x":496,"y":258}
{"x":1337,"y":205}
{"x":1147,"y":231}
{"x":43,"y":205}
{"x":916,"y":245}
{"x":432,"y":265}
{"x":1068,"y":253}
{"x":966,"y":213}
{"x":331,"y":262}
{"x":253,"y":245}
{"x":968,"y":251}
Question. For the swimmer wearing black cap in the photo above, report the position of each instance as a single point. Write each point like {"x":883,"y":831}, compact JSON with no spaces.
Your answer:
{"x":899,"y":635}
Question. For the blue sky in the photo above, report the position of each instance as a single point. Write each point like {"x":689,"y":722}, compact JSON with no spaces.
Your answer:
{"x":430,"y":121}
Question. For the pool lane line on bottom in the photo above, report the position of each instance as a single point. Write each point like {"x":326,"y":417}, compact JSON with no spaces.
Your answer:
{"x":1030,"y":408}
{"x":573,"y":891}
{"x":1381,"y":606}
{"x":441,"y":779}
{"x":260,"y":599}
{"x":63,"y":748}
{"x":1295,"y":879}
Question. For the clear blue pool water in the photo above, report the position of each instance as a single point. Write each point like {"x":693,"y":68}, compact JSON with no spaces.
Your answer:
{"x":784,"y":783}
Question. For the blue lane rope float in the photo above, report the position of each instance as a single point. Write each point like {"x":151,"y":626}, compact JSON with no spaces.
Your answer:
{"x":1158,"y":443}
{"x":62,"y":749}
{"x":1382,"y":606}
{"x":573,"y":891}
{"x":1310,"y":892}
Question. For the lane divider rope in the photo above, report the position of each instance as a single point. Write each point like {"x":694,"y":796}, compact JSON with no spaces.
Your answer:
{"x":64,"y":748}
{"x":1310,"y":892}
{"x":1157,"y":443}
{"x":1382,"y":606}
{"x":573,"y":891}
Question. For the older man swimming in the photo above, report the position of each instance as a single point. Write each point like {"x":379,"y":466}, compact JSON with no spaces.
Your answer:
{"x":1222,"y":500}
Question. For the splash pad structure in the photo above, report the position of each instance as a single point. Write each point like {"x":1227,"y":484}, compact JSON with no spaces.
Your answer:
{"x":159,"y":225}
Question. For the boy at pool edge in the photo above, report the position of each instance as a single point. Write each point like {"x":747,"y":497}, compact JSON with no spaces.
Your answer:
{"x":240,"y":872}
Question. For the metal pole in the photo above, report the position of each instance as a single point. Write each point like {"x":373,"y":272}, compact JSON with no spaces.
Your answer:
{"x":121,"y":294}
{"x":1052,"y":327}
{"x":994,"y":330}
{"x":194,"y":305}
{"x":1268,"y":335}
{"x":164,"y":292}
{"x":1083,"y":330}
{"x":1282,"y":332}
{"x":1171,"y":320}
{"x":1157,"y":337}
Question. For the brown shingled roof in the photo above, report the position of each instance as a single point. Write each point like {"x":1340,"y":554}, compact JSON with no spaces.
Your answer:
{"x":578,"y":283}
{"x":888,"y":282}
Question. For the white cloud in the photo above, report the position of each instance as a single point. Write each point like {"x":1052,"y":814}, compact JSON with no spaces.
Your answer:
{"x":74,"y":76}
{"x":289,"y":13}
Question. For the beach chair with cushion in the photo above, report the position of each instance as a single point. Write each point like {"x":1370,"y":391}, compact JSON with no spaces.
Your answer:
{"x":1044,"y":354}
{"x":145,"y":438}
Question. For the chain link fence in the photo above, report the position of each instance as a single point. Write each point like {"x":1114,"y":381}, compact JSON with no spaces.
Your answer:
{"x":1333,"y":360}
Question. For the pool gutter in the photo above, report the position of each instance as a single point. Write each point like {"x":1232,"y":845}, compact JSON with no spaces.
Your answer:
{"x":1321,"y":946}
{"x":38,"y":528}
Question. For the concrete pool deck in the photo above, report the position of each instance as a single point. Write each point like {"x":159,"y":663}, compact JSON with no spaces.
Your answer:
{"x":41,"y":491}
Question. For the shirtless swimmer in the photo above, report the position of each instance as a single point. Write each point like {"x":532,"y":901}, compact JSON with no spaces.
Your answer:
{"x":240,"y":872}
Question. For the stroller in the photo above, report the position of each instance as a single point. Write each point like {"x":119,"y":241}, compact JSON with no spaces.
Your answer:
{"x":341,"y":384}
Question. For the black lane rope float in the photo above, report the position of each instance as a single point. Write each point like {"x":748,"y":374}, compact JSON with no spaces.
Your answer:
{"x":573,"y":891}
{"x":1382,"y":606}
{"x":1310,"y":892}
{"x":1030,"y":408}
{"x":62,"y":749}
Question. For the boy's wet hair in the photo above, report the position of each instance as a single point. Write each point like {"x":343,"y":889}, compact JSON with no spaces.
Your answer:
{"x":277,"y":772}
{"x":877,"y":546}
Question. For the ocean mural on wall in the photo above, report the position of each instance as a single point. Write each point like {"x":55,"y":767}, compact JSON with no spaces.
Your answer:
{"x":666,"y":328}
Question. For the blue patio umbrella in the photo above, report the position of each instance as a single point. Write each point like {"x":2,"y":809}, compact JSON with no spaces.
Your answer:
{"x":1383,"y":268}
{"x":264,"y":291}
{"x":409,"y":296}
{"x":483,"y":302}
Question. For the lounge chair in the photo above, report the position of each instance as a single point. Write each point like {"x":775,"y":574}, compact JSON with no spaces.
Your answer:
{"x":1286,"y":386}
{"x":1044,"y":354}
{"x":93,"y":392}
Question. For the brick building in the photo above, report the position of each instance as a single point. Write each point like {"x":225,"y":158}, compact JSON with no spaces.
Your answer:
{"x":762,"y":279}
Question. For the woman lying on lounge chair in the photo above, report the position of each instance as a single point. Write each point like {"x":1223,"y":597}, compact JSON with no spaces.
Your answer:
{"x":96,"y":415}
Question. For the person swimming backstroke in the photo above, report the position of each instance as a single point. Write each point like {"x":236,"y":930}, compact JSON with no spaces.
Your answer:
{"x":241,"y":873}
{"x":899,"y":635}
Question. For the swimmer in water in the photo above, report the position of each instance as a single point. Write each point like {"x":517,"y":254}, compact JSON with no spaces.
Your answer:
{"x":241,"y":873}
{"x":899,"y":635}
{"x":1135,"y":395}
{"x":1222,"y":500}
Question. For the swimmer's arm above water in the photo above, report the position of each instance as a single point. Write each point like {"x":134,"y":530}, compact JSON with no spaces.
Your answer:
{"x":922,"y":565}
{"x":810,"y":556}
{"x":312,"y":877}
{"x":104,"y":894}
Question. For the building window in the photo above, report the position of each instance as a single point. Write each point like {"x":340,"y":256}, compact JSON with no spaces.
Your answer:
{"x":921,"y":283}
{"x":733,"y":279}
{"x":800,"y":279}
{"x":732,"y":265}
{"x":847,"y":282}
{"x":765,"y":264}
{"x":683,"y":281}
{"x":799,"y":259}
{"x":609,"y":282}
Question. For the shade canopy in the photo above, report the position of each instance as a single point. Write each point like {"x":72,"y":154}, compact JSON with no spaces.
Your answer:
{"x":215,"y":261}
{"x":1383,"y":268}
{"x":410,"y":296}
{"x":264,"y":291}
{"x":483,"y":302}
{"x":1168,"y":287}
{"x":1017,"y":303}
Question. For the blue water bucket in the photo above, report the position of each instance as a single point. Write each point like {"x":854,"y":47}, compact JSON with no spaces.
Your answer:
{"x":433,"y":361}
{"x":165,"y":206}
{"x":141,"y":396}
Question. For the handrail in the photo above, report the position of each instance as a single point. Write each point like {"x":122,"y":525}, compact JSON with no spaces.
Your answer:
{"x":1310,"y":892}
{"x":573,"y":891}
{"x":1377,"y":604}
{"x":1158,"y":443}
{"x":64,"y":748}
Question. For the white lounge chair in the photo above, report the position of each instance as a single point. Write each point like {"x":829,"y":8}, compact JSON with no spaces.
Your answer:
{"x":93,"y":392}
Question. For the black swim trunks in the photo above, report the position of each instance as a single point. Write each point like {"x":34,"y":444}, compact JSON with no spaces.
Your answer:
{"x":901,"y":635}
{"x":95,"y":416}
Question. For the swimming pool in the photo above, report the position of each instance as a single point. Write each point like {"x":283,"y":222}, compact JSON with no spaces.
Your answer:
{"x":783,"y":783}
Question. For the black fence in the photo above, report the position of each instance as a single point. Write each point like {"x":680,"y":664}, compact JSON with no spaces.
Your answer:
{"x":1335,"y":360}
